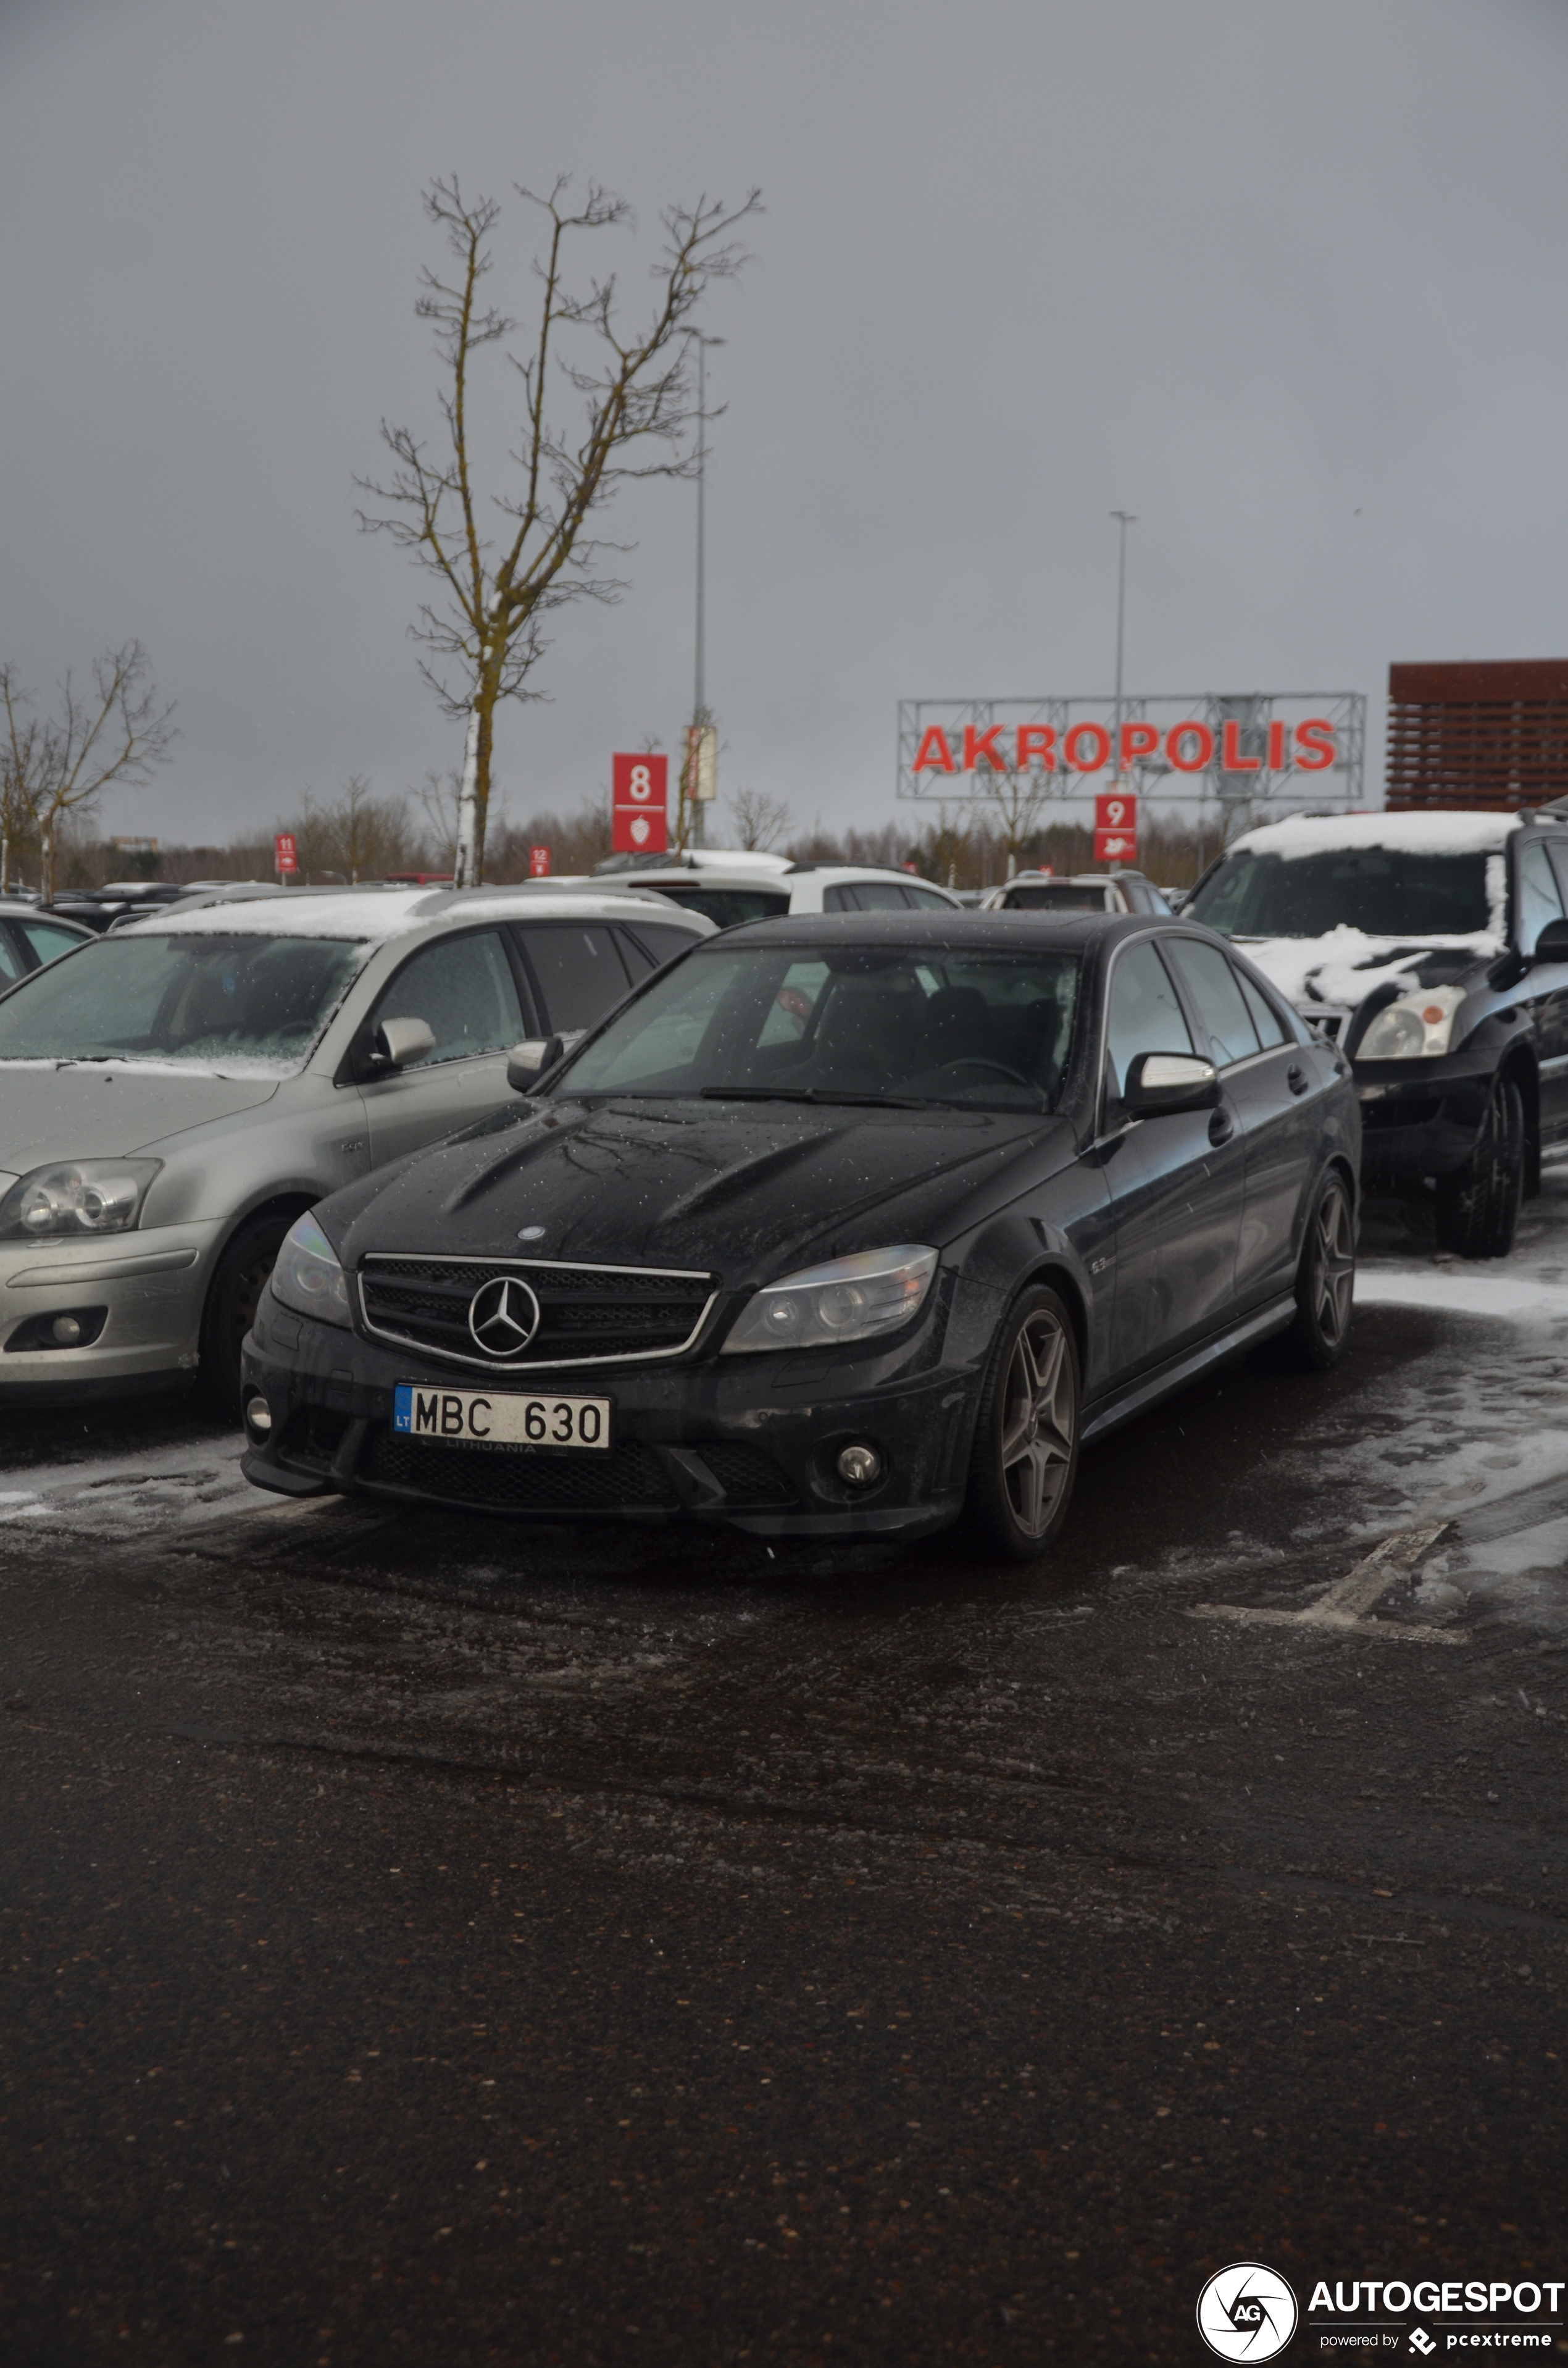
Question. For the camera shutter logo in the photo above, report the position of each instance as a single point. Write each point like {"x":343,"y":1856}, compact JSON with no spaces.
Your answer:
{"x":1246,"y":2312}
{"x":502,"y":1316}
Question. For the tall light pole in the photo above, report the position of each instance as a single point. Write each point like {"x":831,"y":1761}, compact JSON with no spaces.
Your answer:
{"x":1125,"y":519}
{"x":699,"y":702}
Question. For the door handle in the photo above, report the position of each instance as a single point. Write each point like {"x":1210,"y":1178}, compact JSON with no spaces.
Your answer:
{"x":1297,"y":1079}
{"x":1222,"y":1126}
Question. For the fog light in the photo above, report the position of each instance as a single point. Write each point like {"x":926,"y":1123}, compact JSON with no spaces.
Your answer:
{"x":860,"y":1465}
{"x":66,"y":1329}
{"x":258,"y":1418}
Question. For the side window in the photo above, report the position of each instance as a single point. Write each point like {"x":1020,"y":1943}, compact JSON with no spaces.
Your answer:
{"x":838,"y":899}
{"x":1558,"y":848}
{"x":578,"y":970}
{"x":48,"y":943}
{"x":926,"y":899}
{"x":1217,"y":992}
{"x":12,"y":965}
{"x":652,"y":942}
{"x":1144,"y":1014}
{"x":879,"y":896}
{"x":1540,"y":900}
{"x":464,"y":991}
{"x":1264,"y":1018}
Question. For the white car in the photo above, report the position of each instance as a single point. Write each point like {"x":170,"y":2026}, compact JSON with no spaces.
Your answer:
{"x":730,"y":886}
{"x":1082,"y":892}
{"x":174,"y":1094}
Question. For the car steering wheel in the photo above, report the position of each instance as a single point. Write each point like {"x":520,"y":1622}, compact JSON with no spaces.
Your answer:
{"x":979,"y":1060}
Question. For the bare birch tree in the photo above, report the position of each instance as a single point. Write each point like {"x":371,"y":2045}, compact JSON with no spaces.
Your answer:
{"x":496,"y":583}
{"x":112,"y":735}
{"x":760,"y":821}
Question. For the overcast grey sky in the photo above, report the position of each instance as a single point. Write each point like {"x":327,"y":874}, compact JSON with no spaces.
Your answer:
{"x":1283,"y":277}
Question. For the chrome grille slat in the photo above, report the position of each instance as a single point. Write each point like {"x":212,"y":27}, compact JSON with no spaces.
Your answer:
{"x":588,"y":1315}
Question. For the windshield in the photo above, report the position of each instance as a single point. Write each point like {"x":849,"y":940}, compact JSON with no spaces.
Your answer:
{"x":237,"y":1005}
{"x":1063,"y":896}
{"x":1386,"y":891}
{"x":853,"y":1024}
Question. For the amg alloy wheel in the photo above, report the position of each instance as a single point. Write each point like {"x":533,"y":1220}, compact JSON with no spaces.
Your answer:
{"x":1478,"y":1205}
{"x":1325,"y":1281}
{"x":1026,"y":1443}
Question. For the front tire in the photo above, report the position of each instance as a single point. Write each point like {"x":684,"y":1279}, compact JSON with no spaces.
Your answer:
{"x":1325,"y":1281}
{"x":231,"y":1301}
{"x":1478,"y":1205}
{"x":1025,"y":1459}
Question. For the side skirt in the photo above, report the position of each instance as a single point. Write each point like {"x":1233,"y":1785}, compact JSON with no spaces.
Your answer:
{"x":1137,"y":1396}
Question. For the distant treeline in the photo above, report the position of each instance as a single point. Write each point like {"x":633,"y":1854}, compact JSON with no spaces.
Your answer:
{"x":360,"y":836}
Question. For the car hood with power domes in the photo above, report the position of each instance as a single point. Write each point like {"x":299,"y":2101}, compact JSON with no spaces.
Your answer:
{"x":733,"y":1188}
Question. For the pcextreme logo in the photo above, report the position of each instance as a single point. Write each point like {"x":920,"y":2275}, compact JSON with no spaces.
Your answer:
{"x":1246,"y":2312}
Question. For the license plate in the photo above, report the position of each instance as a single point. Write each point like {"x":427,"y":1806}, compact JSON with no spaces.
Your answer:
{"x":555,"y":1426}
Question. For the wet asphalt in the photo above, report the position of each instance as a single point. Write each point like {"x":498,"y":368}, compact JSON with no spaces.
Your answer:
{"x":434,"y":1941}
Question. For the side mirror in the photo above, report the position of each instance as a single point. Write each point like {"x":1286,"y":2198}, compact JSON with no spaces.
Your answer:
{"x":1552,"y":945}
{"x":1160,"y":1083}
{"x":397,"y":1042}
{"x":526,"y":1062}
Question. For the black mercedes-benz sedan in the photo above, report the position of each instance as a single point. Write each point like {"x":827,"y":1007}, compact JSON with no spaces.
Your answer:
{"x":838,"y":1226}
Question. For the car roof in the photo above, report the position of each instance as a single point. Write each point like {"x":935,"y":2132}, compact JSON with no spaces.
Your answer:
{"x":962,"y":926}
{"x":373,"y":917}
{"x":1458,"y":831}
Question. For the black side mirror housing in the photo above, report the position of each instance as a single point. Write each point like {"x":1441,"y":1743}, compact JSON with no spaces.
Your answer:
{"x":1552,"y":943}
{"x":1160,"y":1083}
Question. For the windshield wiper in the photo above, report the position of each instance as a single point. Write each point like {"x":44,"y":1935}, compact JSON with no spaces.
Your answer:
{"x":815,"y":1094}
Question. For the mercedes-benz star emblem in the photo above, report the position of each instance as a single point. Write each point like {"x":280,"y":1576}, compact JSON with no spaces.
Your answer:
{"x":502,"y":1316}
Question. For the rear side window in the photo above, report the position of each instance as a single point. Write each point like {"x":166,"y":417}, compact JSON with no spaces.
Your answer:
{"x":12,"y":965}
{"x":1217,"y":991}
{"x":463,"y":990}
{"x":1264,"y":1018}
{"x":879,"y":896}
{"x":1539,"y":901}
{"x":926,"y":899}
{"x":578,"y":970}
{"x":652,"y":943}
{"x":47,"y":942}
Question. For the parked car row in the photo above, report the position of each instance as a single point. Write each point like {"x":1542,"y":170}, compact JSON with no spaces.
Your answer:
{"x":847,"y":1218}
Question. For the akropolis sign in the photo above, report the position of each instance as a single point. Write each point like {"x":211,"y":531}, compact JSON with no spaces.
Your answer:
{"x":1089,"y":748}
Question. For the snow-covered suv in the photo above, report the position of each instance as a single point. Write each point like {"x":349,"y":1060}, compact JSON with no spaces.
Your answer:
{"x":1432,"y":948}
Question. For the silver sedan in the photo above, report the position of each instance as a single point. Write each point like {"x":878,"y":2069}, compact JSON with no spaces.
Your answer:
{"x":173,"y":1096}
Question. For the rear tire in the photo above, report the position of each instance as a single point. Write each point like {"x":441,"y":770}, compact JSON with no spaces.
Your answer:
{"x":1024,"y":1458}
{"x":231,"y":1301}
{"x":1478,"y":1205}
{"x":1325,"y":1281}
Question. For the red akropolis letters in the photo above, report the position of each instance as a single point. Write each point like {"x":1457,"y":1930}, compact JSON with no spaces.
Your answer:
{"x":1189,"y":749}
{"x":1073,"y":747}
{"x":1203,"y":758}
{"x":1036,"y":740}
{"x":1138,"y":740}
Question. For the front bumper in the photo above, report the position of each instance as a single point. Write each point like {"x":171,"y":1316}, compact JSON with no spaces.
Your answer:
{"x":1419,"y":1120}
{"x":144,"y":1292}
{"x":745,"y":1441}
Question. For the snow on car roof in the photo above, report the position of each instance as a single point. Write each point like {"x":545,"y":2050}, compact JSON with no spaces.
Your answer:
{"x":1463,"y":831}
{"x":374,"y":916}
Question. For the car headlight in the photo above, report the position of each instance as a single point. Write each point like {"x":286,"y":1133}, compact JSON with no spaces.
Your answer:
{"x":1417,"y":1027}
{"x":79,"y":1196}
{"x":308,"y":1277}
{"x":847,"y":1299}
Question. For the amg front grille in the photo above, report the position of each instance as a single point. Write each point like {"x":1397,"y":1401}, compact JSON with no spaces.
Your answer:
{"x":629,"y":1479}
{"x":587,"y":1315}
